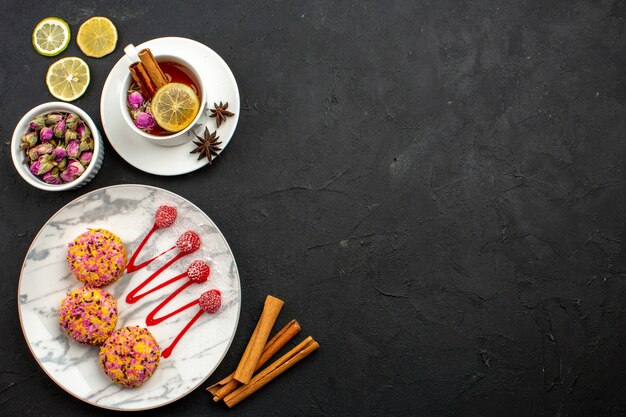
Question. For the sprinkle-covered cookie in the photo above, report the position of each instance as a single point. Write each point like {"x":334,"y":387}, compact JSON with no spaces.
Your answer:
{"x":130,"y":356}
{"x":88,"y":315}
{"x":97,"y":257}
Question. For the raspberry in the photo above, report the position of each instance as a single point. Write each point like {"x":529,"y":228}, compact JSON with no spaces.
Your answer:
{"x":210,"y":301}
{"x":188,"y":242}
{"x":198,"y":271}
{"x":165,"y":216}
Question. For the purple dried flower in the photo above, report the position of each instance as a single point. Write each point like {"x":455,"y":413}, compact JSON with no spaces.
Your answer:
{"x":37,"y":123}
{"x":144,"y":121}
{"x":73,"y":149}
{"x":46,"y":134}
{"x":86,"y":145}
{"x":74,"y":170}
{"x":83,"y":131}
{"x":59,"y":129}
{"x":38,"y":150}
{"x":34,"y":167}
{"x":51,"y":178}
{"x":59,"y":153}
{"x":69,"y":136}
{"x":53,"y":118}
{"x":71,"y":121}
{"x":85,"y":157}
{"x":135,"y":100}
{"x":28,"y":141}
{"x":42,"y":165}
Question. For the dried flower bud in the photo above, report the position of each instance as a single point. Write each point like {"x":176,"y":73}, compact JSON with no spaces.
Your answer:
{"x":42,"y":165}
{"x":83,"y":131}
{"x":70,"y":135}
{"x":28,"y":140}
{"x":61,"y":164}
{"x":37,"y":123}
{"x":46,"y":134}
{"x":86,"y":144}
{"x":85,"y":157}
{"x":53,"y":118}
{"x":38,"y":150}
{"x":71,"y":122}
{"x":52,"y":177}
{"x":59,"y":129}
{"x":34,"y":167}
{"x":73,"y":149}
{"x":144,"y":121}
{"x":135,"y":100}
{"x":32,"y":154}
{"x":74,"y":170}
{"x":59,"y":153}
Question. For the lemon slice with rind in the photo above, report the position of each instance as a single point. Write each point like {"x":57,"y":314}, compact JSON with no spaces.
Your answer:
{"x":175,"y":106}
{"x":68,"y":78}
{"x":51,"y":36}
{"x":97,"y":37}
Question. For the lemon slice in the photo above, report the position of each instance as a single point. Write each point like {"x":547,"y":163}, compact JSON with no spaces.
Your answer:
{"x":51,"y":36}
{"x":68,"y":78}
{"x":97,"y":37}
{"x":174,"y":106}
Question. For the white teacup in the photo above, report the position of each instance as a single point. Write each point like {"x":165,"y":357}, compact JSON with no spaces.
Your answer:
{"x":176,"y":138}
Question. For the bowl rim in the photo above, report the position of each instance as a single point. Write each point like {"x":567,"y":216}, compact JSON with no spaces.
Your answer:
{"x":21,"y":128}
{"x":203,"y":101}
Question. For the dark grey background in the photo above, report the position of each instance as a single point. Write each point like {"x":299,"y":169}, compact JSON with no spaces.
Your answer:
{"x":435,"y":188}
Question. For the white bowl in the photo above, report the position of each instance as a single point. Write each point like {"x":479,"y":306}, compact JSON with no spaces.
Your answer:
{"x":177,"y":138}
{"x":18,"y":155}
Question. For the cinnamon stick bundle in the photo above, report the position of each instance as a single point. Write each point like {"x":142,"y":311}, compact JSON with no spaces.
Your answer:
{"x":295,"y":355}
{"x":152,"y":68}
{"x":227,"y":385}
{"x":140,"y":77}
{"x":147,"y":74}
{"x":255,"y":347}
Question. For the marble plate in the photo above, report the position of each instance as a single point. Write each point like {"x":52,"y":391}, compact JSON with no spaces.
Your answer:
{"x":128,"y":211}
{"x":165,"y":160}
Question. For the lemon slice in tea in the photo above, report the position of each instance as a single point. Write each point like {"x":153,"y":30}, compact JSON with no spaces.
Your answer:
{"x":174,"y":106}
{"x":68,"y":78}
{"x":51,"y":36}
{"x":97,"y":37}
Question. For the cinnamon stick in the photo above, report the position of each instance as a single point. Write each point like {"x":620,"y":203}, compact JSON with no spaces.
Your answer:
{"x":295,"y":355}
{"x":227,"y":385}
{"x":152,"y":68}
{"x":141,"y":78}
{"x":253,"y":351}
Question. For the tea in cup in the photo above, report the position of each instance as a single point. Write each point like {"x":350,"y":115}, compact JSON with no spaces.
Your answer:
{"x":163,"y":97}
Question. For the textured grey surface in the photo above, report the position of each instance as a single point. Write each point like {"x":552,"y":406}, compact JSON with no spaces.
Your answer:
{"x":436,"y":189}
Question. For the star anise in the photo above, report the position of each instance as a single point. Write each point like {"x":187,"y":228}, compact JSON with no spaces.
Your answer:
{"x":220,"y":113}
{"x":208,"y":146}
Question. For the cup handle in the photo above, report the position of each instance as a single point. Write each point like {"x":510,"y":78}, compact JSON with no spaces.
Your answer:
{"x":131,"y":53}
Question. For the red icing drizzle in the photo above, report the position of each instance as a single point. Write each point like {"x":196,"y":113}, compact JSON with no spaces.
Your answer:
{"x":151,"y":320}
{"x":164,"y":217}
{"x":188,"y":243}
{"x":131,"y":267}
{"x":168,"y":350}
{"x":197,"y":272}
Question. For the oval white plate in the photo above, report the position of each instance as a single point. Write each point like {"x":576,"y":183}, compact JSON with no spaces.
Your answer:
{"x":128,"y":211}
{"x":163,"y":160}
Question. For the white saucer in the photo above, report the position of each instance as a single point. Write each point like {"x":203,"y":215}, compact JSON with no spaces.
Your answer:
{"x":161,"y":160}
